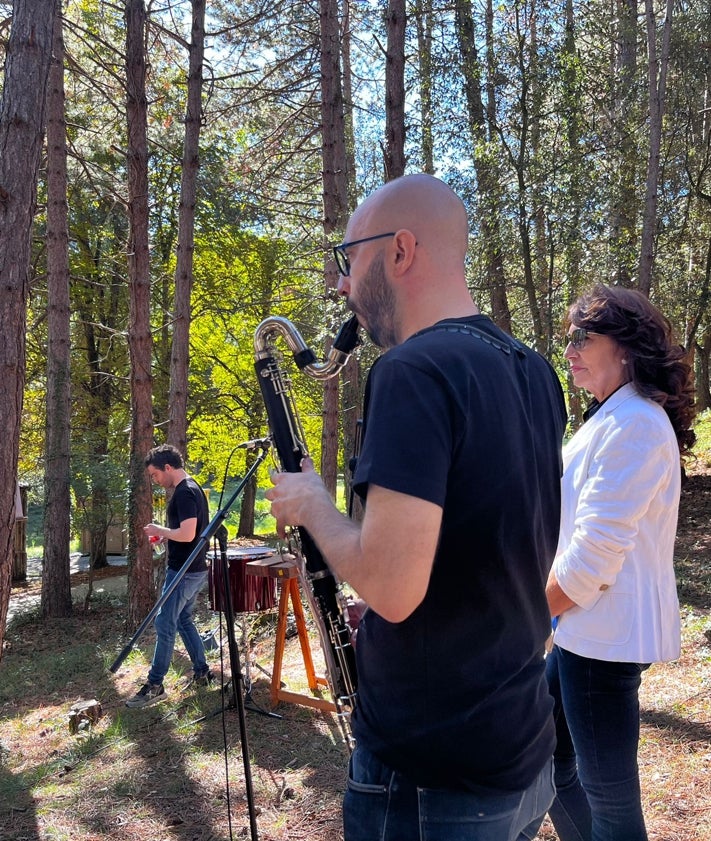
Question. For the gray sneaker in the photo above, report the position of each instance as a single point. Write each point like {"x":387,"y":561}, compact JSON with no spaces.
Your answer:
{"x":195,"y":681}
{"x":148,"y":694}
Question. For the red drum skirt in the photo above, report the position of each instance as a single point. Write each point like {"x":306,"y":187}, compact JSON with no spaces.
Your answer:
{"x":248,"y":593}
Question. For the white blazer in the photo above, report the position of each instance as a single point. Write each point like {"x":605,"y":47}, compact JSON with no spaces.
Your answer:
{"x":621,"y":486}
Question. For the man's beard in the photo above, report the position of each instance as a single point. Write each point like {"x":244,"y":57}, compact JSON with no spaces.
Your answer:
{"x":376,"y":306}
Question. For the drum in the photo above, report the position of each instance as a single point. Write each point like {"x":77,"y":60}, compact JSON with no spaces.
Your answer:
{"x":248,"y":593}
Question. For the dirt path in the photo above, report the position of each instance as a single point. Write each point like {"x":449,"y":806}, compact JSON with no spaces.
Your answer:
{"x":110,"y":581}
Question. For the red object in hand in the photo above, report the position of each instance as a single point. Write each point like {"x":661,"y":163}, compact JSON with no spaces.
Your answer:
{"x":154,"y":538}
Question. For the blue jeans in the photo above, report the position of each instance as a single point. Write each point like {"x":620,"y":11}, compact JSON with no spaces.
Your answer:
{"x":597,"y":725}
{"x":176,"y":616}
{"x":383,"y":805}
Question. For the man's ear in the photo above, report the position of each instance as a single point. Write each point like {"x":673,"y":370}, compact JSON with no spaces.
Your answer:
{"x":404,"y":244}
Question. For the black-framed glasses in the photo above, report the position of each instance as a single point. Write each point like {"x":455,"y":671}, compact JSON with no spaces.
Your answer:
{"x":341,"y":257}
{"x":577,"y":337}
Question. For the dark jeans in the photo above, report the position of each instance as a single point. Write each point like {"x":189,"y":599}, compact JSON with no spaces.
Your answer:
{"x":597,"y":726}
{"x":176,"y":617}
{"x":382,"y":805}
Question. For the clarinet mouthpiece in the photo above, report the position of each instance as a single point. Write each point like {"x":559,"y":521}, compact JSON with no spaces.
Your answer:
{"x":347,"y":338}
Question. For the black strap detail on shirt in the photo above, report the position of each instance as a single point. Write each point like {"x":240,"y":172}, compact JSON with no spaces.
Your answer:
{"x":457,"y":327}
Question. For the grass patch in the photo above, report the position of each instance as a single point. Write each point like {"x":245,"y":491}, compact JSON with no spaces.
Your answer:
{"x":161,"y":772}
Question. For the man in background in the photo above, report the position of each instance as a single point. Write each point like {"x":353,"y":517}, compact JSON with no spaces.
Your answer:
{"x":187,"y":516}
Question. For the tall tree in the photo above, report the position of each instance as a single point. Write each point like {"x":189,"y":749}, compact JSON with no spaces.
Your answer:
{"x":423,"y":15}
{"x":350,"y":378}
{"x":348,"y":122}
{"x":22,"y":115}
{"x":482,"y":126}
{"x":657,"y":84}
{"x":395,"y":91}
{"x":521,"y":154}
{"x":141,"y":592}
{"x":573,"y":120}
{"x":335,"y":203}
{"x":56,"y":596}
{"x":180,"y":348}
{"x":573,"y":236}
{"x":623,"y":211}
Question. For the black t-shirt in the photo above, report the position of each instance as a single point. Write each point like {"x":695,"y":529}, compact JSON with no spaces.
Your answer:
{"x":455,"y":696}
{"x":188,"y":501}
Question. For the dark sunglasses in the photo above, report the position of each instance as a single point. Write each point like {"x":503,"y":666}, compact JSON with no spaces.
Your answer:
{"x":341,"y":258}
{"x":577,"y":337}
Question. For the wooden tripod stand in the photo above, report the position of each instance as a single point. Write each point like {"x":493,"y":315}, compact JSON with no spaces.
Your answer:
{"x":285,"y":570}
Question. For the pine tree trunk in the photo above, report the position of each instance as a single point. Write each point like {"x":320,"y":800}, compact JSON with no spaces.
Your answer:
{"x":423,"y":20}
{"x":573,"y":253}
{"x":56,"y":597}
{"x":657,"y":96}
{"x":141,"y":590}
{"x":22,"y":115}
{"x":350,"y":378}
{"x":395,"y":91}
{"x":487,"y":177}
{"x":625,"y":201}
{"x":180,"y":352}
{"x":335,"y":206}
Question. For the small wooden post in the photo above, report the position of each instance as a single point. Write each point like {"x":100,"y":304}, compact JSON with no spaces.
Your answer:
{"x":19,"y":563}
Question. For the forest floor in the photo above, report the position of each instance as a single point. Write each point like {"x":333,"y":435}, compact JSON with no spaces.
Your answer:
{"x":177,"y":771}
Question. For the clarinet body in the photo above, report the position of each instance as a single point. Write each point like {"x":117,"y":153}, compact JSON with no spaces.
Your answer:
{"x":323,"y":591}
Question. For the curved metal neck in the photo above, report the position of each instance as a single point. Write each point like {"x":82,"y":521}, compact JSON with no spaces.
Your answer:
{"x":344,"y":344}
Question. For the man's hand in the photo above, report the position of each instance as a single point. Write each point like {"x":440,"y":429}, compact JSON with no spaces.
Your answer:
{"x":297,"y":497}
{"x":186,"y":531}
{"x":385,"y":558}
{"x":153,"y":530}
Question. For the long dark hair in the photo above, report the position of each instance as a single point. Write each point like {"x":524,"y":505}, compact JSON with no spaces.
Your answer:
{"x":657,"y":366}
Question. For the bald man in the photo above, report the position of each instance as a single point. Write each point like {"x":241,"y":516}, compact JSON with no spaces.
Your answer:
{"x":460,"y":470}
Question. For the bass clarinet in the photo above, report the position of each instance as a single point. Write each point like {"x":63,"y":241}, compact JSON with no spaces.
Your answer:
{"x":323,"y":591}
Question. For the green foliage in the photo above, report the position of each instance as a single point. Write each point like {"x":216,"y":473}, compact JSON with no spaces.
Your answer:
{"x":240,"y":280}
{"x":702,"y":428}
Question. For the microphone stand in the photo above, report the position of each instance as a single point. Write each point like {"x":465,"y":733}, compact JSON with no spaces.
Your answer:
{"x":228,"y":610}
{"x":227,"y":607}
{"x":203,"y":542}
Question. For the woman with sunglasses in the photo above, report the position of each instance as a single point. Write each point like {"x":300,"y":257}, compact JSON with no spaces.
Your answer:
{"x":612,"y":588}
